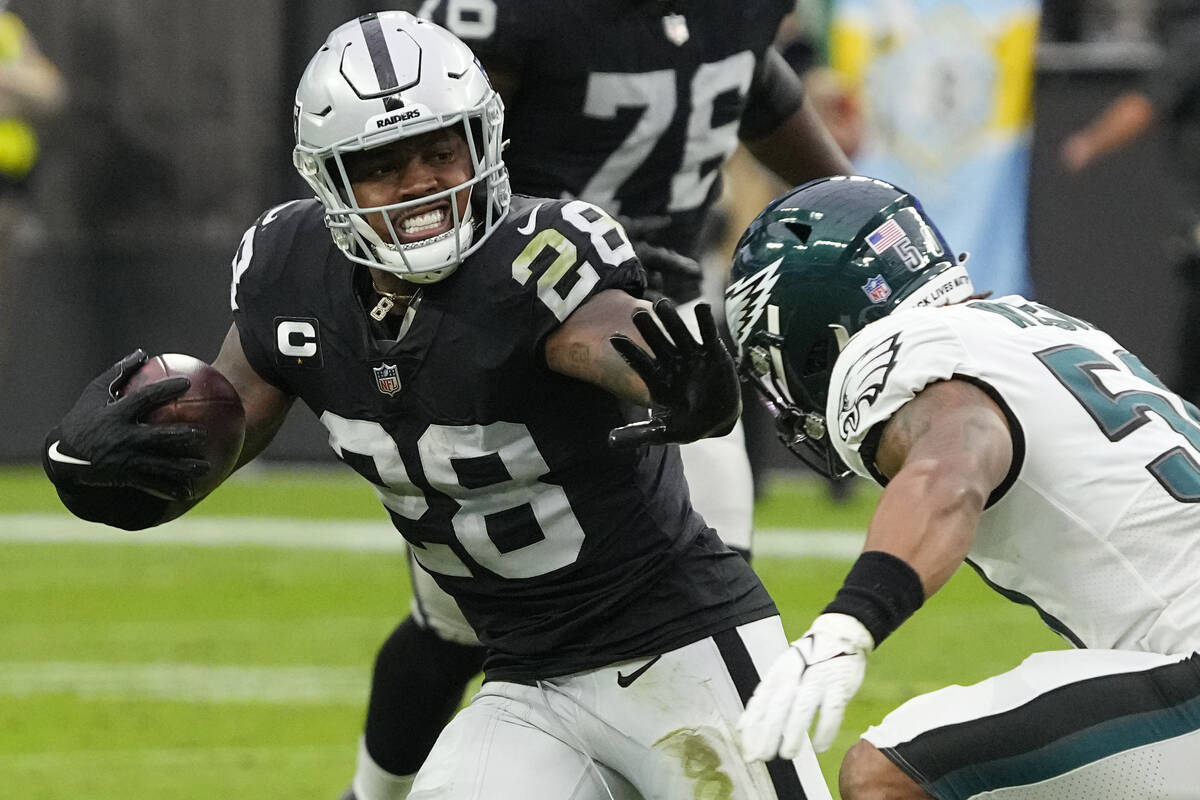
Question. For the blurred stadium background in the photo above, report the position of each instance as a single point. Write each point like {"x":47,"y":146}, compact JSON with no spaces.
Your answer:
{"x":228,"y":653}
{"x":177,"y":135}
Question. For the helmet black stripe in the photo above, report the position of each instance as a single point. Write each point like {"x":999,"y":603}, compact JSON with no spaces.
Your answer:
{"x":381,"y":59}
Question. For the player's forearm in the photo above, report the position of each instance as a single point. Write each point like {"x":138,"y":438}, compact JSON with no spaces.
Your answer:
{"x":580,"y":348}
{"x":801,"y":149}
{"x":265,"y":405}
{"x":594,"y":361}
{"x":927,"y":518}
{"x":920,"y":533}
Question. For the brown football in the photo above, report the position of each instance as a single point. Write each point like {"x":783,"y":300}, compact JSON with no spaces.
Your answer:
{"x":210,"y":401}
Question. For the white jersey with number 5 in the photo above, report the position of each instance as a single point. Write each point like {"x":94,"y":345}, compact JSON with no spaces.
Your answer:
{"x":1097,"y":523}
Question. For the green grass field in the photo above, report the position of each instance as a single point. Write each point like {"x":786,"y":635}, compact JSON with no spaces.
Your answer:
{"x":171,"y":670}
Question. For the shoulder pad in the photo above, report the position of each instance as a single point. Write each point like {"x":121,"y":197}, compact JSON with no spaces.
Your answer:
{"x":274,"y":235}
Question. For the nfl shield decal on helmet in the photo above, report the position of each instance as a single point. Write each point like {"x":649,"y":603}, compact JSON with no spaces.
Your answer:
{"x":877,"y":289}
{"x":387,"y":378}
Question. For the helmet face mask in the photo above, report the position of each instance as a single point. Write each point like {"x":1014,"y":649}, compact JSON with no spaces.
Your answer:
{"x":376,"y":81}
{"x":819,"y":264}
{"x":803,"y":432}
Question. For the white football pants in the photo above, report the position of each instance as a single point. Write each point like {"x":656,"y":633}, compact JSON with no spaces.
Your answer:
{"x":1096,"y":724}
{"x":667,"y":733}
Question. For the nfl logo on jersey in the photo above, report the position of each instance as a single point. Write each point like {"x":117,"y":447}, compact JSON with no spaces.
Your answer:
{"x":675,"y":26}
{"x":387,"y":378}
{"x":877,"y":289}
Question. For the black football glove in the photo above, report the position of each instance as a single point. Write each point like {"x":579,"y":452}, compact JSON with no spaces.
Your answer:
{"x":101,"y":442}
{"x":693,"y":384}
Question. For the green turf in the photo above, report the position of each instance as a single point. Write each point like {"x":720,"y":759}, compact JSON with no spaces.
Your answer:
{"x":790,"y":503}
{"x":336,"y":492}
{"x":322,"y":493}
{"x":105,"y":613}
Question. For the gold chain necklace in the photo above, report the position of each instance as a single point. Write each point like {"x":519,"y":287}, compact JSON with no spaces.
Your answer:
{"x":388,"y":301}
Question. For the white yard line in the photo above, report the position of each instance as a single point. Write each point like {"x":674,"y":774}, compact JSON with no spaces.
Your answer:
{"x":189,"y":683}
{"x":213,"y":758}
{"x":345,"y":535}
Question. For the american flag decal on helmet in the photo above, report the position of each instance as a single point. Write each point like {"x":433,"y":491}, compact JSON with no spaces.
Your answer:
{"x":886,"y":235}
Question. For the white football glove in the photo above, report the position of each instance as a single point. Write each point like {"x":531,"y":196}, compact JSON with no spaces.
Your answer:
{"x":820,"y":671}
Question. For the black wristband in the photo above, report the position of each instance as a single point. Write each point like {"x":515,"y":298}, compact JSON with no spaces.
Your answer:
{"x":880,"y":591}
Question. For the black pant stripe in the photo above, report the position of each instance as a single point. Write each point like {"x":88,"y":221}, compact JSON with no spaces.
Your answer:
{"x":1047,"y":719}
{"x":745,"y":677}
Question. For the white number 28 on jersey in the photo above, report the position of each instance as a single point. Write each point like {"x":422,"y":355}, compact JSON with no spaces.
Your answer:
{"x":502,"y":490}
{"x":608,"y":241}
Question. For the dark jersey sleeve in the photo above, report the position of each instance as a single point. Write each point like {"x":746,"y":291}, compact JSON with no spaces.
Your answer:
{"x":775,"y":94}
{"x":265,"y":267}
{"x":567,"y":252}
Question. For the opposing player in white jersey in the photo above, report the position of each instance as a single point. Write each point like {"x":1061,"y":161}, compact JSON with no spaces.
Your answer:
{"x":1014,"y":437}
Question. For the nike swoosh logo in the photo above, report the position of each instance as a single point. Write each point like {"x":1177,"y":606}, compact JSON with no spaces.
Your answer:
{"x":273,"y":214}
{"x":63,"y":458}
{"x":527,"y":228}
{"x":624,"y":681}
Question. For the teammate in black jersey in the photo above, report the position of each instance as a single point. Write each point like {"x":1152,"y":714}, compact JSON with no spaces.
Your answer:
{"x":632,"y":105}
{"x":469,"y":353}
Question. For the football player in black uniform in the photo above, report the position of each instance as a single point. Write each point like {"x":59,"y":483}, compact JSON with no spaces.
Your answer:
{"x":470,"y":354}
{"x":632,"y":105}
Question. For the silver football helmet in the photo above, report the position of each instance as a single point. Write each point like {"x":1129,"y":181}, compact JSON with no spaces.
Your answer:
{"x":384,"y":77}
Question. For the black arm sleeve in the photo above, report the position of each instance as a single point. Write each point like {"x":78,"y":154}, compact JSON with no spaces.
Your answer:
{"x":775,"y":94}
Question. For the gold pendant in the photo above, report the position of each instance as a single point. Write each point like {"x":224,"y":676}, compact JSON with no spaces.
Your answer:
{"x":382,"y":308}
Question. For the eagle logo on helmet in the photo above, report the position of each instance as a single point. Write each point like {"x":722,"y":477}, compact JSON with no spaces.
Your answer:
{"x":865,"y":380}
{"x":746,"y":299}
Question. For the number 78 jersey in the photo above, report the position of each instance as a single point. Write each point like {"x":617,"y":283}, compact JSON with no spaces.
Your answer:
{"x":1097,"y":524}
{"x":632,"y":106}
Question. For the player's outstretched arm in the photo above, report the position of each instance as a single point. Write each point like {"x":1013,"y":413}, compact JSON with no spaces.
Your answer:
{"x":1126,"y":119}
{"x":579,"y":347}
{"x":614,"y":342}
{"x":945,"y":452}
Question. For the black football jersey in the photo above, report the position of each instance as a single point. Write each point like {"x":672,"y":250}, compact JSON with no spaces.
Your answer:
{"x":629,"y":104}
{"x":563,"y":553}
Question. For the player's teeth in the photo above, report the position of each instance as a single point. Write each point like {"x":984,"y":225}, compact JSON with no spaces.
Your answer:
{"x":430,"y":219}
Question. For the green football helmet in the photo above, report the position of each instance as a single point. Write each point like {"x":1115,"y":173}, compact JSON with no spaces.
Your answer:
{"x":819,"y":264}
